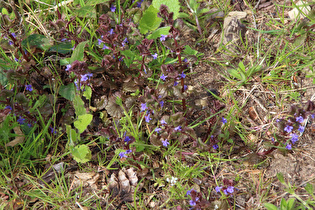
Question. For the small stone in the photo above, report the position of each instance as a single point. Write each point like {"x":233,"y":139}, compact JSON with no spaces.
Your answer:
{"x":296,"y":14}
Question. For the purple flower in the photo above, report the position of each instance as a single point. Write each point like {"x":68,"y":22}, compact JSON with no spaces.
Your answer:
{"x":105,"y":47}
{"x":225,"y":192}
{"x":192,"y":203}
{"x":147,"y":118}
{"x":288,"y":128}
{"x":10,"y":43}
{"x":29,"y":87}
{"x":8,"y":107}
{"x":278,"y":120}
{"x":139,"y":3}
{"x":155,"y":56}
{"x":182,"y":75}
{"x":124,"y":42}
{"x":157,"y":129}
{"x":76,"y":82}
{"x":113,"y":8}
{"x":99,"y":41}
{"x":85,"y":77}
{"x":301,"y":129}
{"x":111,"y":31}
{"x":163,"y":37}
{"x":230,"y":189}
{"x":224,"y":120}
{"x":185,"y":60}
{"x":189,"y":191}
{"x":272,"y":139}
{"x":294,"y":138}
{"x":163,"y":122}
{"x":143,"y":106}
{"x":163,"y":77}
{"x":52,"y":130}
{"x":217,"y":189}
{"x":299,"y":119}
{"x":13,"y":34}
{"x":127,"y":139}
{"x":289,"y":146}
{"x":313,"y":116}
{"x":185,"y":87}
{"x":215,"y":146}
{"x":175,"y":83}
{"x":128,"y":151}
{"x":178,"y":128}
{"x":68,"y":67}
{"x":165,"y":143}
{"x":17,"y":60}
{"x":21,"y":120}
{"x":162,"y":103}
{"x":122,"y":155}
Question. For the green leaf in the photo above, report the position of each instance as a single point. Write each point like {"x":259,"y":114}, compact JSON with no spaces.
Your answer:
{"x":183,"y":15}
{"x":309,"y":188}
{"x":78,"y":105}
{"x":62,"y":48}
{"x":280,"y":177}
{"x":94,"y":2}
{"x":129,"y":57}
{"x":78,"y":52}
{"x":189,"y":51}
{"x":270,"y":206}
{"x":4,"y":11}
{"x":242,"y":67}
{"x":38,"y":41}
{"x":65,"y":61}
{"x":82,"y":122}
{"x":73,"y":137}
{"x":67,"y":91}
{"x":230,"y":141}
{"x":39,"y":103}
{"x":283,"y":204}
{"x":81,"y":153}
{"x":3,"y":76}
{"x":118,"y":101}
{"x":88,"y":92}
{"x":194,"y":5}
{"x":87,"y":11}
{"x":204,"y":10}
{"x":290,"y":203}
{"x":149,"y":21}
{"x":158,"y":32}
{"x":173,"y":6}
{"x":235,"y":73}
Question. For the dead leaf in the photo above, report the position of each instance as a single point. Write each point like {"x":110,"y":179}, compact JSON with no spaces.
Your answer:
{"x":19,"y":139}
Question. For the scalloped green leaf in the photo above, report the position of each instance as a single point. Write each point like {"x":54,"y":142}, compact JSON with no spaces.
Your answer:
{"x":173,"y":6}
{"x":81,"y":153}
{"x":87,"y":11}
{"x":37,"y":40}
{"x":158,"y":32}
{"x":78,"y":105}
{"x":149,"y":21}
{"x":67,"y":91}
{"x":62,"y":48}
{"x":78,"y":53}
{"x":189,"y":51}
{"x":82,"y":122}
